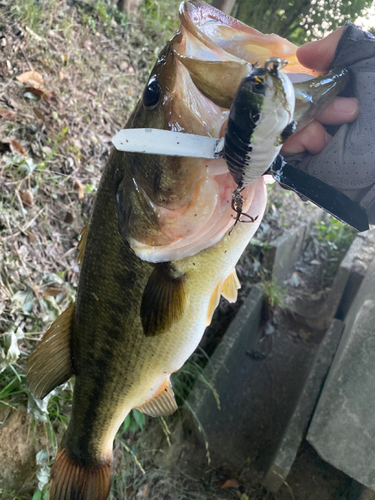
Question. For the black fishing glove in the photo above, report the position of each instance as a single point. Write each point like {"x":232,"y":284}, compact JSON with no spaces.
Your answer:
{"x":348,"y":161}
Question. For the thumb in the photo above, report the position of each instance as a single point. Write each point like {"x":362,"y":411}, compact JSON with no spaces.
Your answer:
{"x":319,"y":55}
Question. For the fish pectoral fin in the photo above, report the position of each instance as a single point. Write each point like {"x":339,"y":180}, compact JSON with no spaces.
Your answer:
{"x":228,"y":289}
{"x":82,"y":243}
{"x":161,"y":405}
{"x":50,"y":364}
{"x":164,"y":299}
{"x":231,"y":286}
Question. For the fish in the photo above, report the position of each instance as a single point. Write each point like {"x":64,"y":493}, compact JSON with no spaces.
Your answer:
{"x":158,"y":251}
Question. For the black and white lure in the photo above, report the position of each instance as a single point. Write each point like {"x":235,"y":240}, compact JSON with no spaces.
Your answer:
{"x":260,"y":120}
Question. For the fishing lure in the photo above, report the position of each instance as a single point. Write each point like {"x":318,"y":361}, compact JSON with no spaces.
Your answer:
{"x":260,"y":120}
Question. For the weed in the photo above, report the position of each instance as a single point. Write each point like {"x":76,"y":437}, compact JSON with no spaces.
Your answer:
{"x":134,"y":421}
{"x":273,"y":294}
{"x":28,"y":12}
{"x":334,"y":234}
{"x":162,"y":15}
{"x":334,"y":239}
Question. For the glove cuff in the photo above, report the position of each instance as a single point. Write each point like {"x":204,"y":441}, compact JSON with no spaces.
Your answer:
{"x":354,"y":45}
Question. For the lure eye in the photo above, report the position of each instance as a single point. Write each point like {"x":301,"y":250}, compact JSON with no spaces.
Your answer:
{"x":152,"y":93}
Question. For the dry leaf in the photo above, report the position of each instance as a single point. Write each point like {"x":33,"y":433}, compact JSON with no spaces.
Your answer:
{"x":230,"y":483}
{"x":30,"y":237}
{"x":27,"y":198}
{"x":78,"y":186}
{"x":129,"y":490}
{"x":40,"y":93}
{"x":35,"y":84}
{"x":68,"y":218}
{"x":38,"y":113}
{"x":142,"y":492}
{"x":7,"y":114}
{"x":32,"y":79}
{"x":16,"y":147}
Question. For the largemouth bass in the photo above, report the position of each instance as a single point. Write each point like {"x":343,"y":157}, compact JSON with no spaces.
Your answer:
{"x":157,"y":253}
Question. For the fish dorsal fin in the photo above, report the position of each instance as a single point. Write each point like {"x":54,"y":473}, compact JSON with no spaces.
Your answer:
{"x":164,"y":299}
{"x":228,"y":289}
{"x":50,"y":364}
{"x":161,"y":405}
{"x":231,"y":286}
{"x":82,"y":243}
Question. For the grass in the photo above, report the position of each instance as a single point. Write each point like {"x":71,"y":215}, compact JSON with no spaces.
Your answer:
{"x":334,"y":239}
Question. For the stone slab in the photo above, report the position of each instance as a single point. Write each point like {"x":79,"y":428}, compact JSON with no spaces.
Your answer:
{"x":282,"y":253}
{"x":202,"y":401}
{"x":257,"y":394}
{"x":286,"y":452}
{"x":357,"y":259}
{"x":343,"y":426}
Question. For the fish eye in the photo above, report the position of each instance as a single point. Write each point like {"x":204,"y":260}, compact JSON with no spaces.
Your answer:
{"x":152,"y":93}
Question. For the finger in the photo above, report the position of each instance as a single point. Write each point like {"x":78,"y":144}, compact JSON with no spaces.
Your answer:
{"x":341,"y":110}
{"x":319,"y":55}
{"x":313,"y":138}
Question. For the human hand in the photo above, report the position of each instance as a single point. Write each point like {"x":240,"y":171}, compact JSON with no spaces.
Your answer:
{"x":314,"y":137}
{"x":345,"y":161}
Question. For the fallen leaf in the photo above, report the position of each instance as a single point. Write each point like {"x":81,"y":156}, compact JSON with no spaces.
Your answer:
{"x":38,"y":113}
{"x":142,"y":492}
{"x":30,"y":237}
{"x":27,"y":198}
{"x":78,"y":186}
{"x":40,"y":93}
{"x":7,"y":114}
{"x":230,"y":483}
{"x":32,"y":79}
{"x":16,"y":147}
{"x":68,"y":218}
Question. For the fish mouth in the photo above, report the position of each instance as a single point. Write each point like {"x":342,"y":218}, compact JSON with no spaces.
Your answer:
{"x":211,"y":55}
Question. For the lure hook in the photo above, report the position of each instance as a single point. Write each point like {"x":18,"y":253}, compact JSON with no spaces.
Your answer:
{"x":237,"y":204}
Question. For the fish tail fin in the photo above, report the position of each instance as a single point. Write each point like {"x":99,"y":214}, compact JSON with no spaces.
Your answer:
{"x":70,"y":481}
